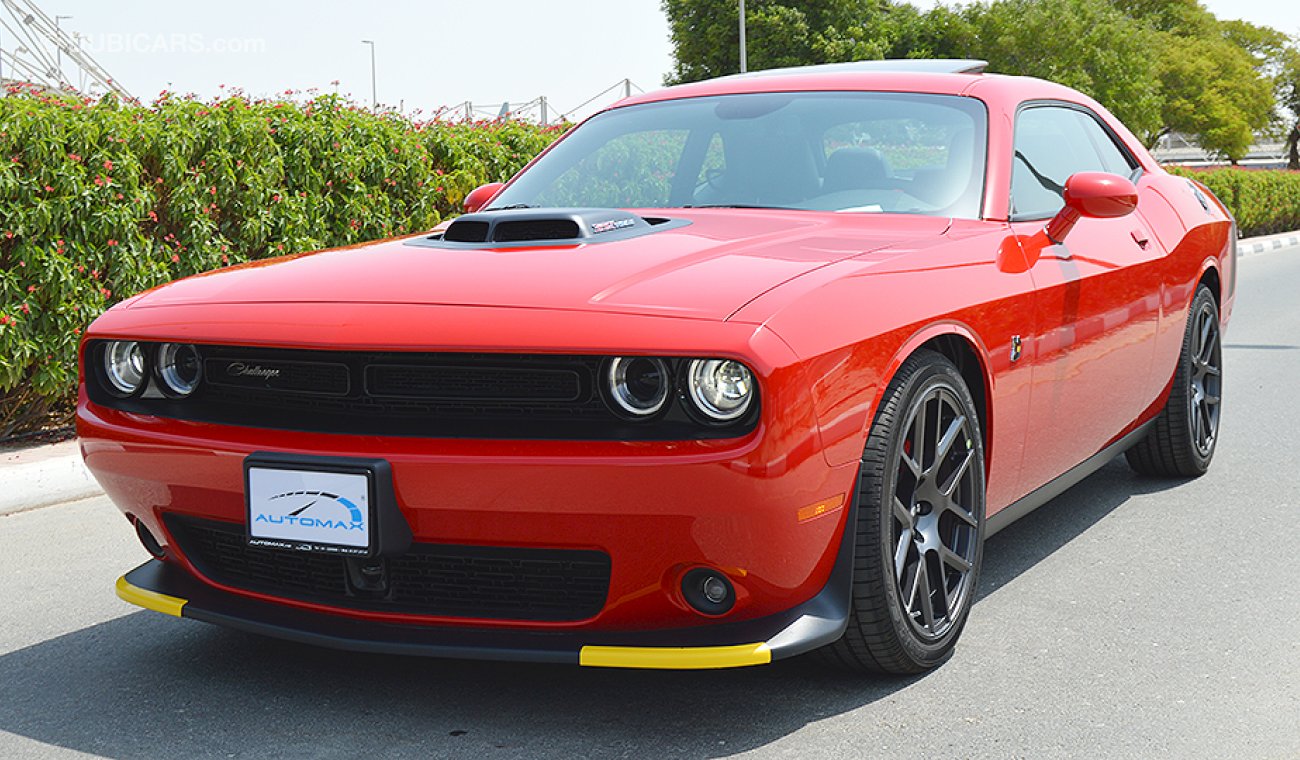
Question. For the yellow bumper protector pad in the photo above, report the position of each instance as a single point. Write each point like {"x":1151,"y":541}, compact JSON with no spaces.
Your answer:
{"x":150,"y":600}
{"x":675,"y":658}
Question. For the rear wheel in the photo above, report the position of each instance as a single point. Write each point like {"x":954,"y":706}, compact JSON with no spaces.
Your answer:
{"x":1181,"y":442}
{"x":919,"y":523}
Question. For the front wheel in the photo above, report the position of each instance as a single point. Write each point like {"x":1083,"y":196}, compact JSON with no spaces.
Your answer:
{"x":919,"y":523}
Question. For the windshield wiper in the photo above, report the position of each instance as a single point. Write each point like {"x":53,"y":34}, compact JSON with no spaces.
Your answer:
{"x":742,"y":205}
{"x":511,"y":207}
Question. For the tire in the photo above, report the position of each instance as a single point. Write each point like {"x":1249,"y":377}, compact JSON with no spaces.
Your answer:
{"x":896,"y":626}
{"x":1186,"y":432}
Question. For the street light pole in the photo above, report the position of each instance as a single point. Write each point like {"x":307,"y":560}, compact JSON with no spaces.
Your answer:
{"x":743,"y":63}
{"x":374,"y":97}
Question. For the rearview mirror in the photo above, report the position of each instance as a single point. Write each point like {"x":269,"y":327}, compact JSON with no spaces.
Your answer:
{"x":1096,"y":195}
{"x":479,"y":196}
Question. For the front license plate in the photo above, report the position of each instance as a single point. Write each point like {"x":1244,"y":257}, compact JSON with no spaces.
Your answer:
{"x":309,"y":510}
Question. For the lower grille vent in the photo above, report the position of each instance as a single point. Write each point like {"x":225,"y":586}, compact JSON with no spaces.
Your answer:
{"x":445,"y":580}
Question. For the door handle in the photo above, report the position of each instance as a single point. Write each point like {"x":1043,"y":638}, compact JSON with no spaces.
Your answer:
{"x":1141,"y":238}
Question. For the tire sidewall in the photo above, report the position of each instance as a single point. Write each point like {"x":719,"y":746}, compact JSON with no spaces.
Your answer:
{"x":939,"y":372}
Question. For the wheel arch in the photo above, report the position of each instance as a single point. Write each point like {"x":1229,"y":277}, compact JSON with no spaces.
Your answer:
{"x":963,"y":347}
{"x":1211,"y":279}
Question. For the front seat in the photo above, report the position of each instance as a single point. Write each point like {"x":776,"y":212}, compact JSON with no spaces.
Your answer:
{"x":855,"y":169}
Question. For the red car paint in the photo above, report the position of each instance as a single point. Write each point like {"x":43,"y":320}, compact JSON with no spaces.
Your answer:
{"x":823,"y":307}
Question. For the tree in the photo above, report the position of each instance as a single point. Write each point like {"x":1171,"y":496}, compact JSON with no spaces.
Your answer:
{"x":1213,"y":93}
{"x":1216,"y":77}
{"x":1085,"y":44}
{"x":706,"y":37}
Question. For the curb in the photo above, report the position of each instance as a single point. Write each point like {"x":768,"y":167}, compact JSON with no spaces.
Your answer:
{"x":44,"y":476}
{"x":1251,"y":246}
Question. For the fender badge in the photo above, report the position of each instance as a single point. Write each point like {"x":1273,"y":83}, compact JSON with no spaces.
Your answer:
{"x":1017,"y":347}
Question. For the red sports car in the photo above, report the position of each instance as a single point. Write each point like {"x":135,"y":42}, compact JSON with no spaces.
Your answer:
{"x":734,"y":371}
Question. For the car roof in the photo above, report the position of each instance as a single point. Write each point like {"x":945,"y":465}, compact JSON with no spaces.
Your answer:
{"x":936,"y":76}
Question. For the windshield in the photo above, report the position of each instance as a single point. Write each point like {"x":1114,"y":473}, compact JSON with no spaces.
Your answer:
{"x":863,"y":152}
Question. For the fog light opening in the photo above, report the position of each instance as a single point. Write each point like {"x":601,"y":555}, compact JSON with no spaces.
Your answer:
{"x":150,"y":543}
{"x":708,"y":591}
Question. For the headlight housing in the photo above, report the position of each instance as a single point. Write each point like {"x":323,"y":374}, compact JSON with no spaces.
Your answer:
{"x":125,"y":367}
{"x":638,"y":385}
{"x":720,"y":389}
{"x":179,"y":369}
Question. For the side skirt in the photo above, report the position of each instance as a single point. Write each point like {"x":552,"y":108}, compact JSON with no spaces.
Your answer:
{"x":1043,"y":494}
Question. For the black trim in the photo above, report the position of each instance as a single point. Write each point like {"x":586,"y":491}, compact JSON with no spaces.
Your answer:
{"x":1043,"y":494}
{"x":322,"y":391}
{"x":819,"y":621}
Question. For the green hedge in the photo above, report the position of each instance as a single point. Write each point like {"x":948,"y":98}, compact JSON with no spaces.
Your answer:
{"x":100,"y":200}
{"x":1264,"y":201}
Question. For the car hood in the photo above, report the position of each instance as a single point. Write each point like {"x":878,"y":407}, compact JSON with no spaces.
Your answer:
{"x":707,"y":269}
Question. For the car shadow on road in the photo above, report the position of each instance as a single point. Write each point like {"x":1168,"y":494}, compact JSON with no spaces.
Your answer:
{"x":143,"y":685}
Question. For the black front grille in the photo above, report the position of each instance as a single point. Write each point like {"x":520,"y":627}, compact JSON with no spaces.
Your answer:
{"x":429,"y":395}
{"x":445,"y":580}
{"x":479,"y":383}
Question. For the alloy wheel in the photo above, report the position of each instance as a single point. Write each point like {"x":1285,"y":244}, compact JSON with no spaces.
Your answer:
{"x":1207,"y":380}
{"x":935,"y":513}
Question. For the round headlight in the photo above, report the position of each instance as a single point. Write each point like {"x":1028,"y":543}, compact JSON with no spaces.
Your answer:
{"x":179,"y":369}
{"x":721,"y":389}
{"x":124,"y":367}
{"x":638,"y":385}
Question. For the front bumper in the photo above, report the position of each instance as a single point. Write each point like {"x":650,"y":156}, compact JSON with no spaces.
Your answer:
{"x":165,"y":588}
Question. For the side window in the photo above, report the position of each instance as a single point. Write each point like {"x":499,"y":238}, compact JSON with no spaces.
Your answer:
{"x":1052,"y":143}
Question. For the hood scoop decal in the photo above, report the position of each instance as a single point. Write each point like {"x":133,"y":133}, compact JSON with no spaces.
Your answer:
{"x":552,"y":226}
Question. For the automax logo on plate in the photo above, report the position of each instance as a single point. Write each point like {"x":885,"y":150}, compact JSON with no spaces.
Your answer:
{"x":305,"y":507}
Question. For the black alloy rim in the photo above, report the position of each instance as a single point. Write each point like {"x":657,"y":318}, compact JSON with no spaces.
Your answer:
{"x":936,"y":513}
{"x":1207,"y":379}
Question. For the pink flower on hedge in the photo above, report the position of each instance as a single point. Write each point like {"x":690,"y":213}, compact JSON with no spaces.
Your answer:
{"x":212,"y":191}
{"x":9,"y":235}
{"x":76,"y":331}
{"x":107,"y":293}
{"x":275,"y":198}
{"x":26,"y":309}
{"x":175,"y":259}
{"x":153,"y":215}
{"x":4,"y":319}
{"x":158,"y":181}
{"x":74,"y":157}
{"x":111,"y":242}
{"x":31,"y":288}
{"x":49,"y":189}
{"x":108,"y":166}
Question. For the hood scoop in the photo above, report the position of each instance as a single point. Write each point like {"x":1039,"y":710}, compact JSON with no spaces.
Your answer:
{"x":555,"y":226}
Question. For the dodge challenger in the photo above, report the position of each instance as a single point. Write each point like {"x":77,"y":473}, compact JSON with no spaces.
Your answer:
{"x":733,"y":371}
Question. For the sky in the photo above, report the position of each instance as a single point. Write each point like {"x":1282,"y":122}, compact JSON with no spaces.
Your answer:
{"x":427,"y":54}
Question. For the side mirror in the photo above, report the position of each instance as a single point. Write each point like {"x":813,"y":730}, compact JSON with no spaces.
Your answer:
{"x":1097,"y":195}
{"x":479,"y":196}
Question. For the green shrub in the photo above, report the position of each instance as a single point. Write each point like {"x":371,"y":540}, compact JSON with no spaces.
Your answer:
{"x":100,"y":200}
{"x":1264,"y":201}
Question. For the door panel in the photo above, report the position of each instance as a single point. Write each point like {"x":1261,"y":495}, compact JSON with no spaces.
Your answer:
{"x":1097,"y":295}
{"x":1098,"y":310}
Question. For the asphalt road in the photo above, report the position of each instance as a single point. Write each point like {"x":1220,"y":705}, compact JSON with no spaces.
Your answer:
{"x":1127,"y":618}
